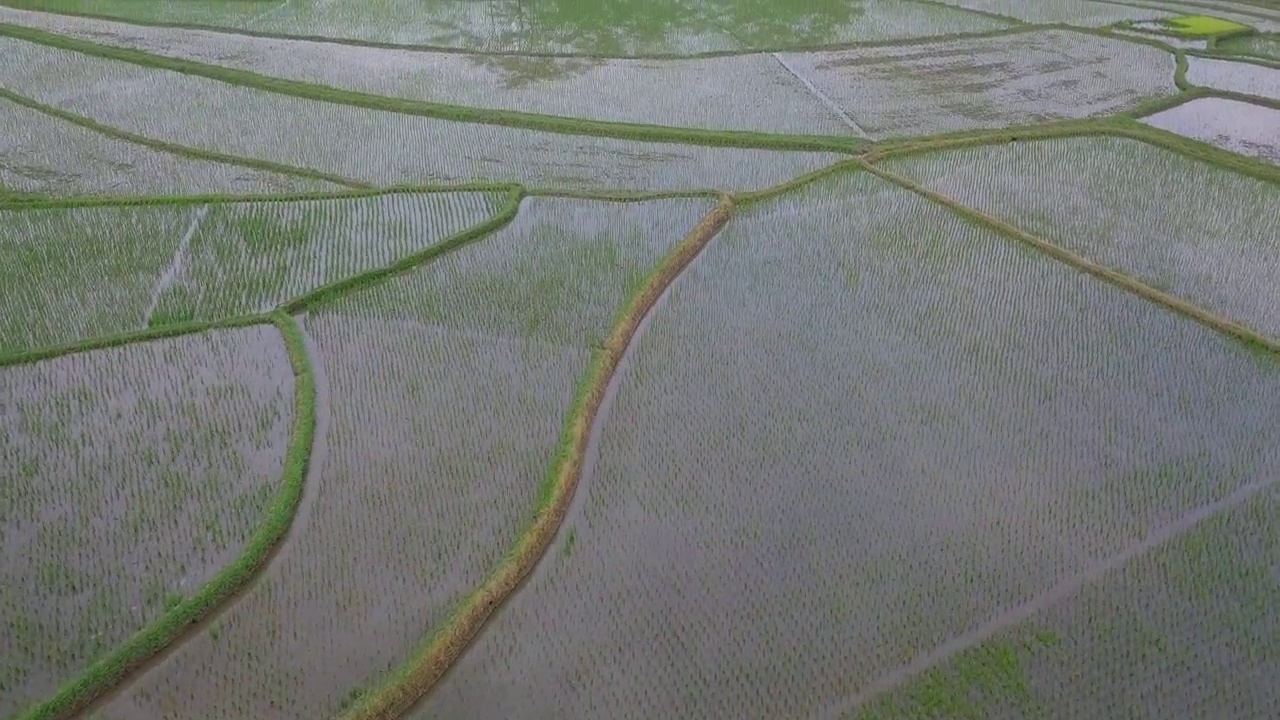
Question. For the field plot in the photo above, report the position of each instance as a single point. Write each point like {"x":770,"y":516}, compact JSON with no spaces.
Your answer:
{"x":1262,"y":46}
{"x":1243,"y":16}
{"x":858,"y":426}
{"x":80,"y":272}
{"x":43,"y":155}
{"x":446,"y":389}
{"x":244,"y":258}
{"x":371,"y":145}
{"x":658,"y":27}
{"x":130,"y":476}
{"x":988,"y":82}
{"x":690,"y":93}
{"x":1200,"y":232}
{"x":1188,"y":631}
{"x":1236,"y":126}
{"x":1238,"y":77}
{"x":1084,"y":13}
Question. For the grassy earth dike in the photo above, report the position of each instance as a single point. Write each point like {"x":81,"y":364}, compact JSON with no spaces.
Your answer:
{"x":420,"y":673}
{"x":109,"y":671}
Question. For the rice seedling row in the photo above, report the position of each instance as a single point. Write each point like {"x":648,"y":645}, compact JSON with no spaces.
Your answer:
{"x":44,"y":156}
{"x":1179,"y":225}
{"x":131,"y":476}
{"x":1187,"y":630}
{"x":250,"y":257}
{"x":447,"y":391}
{"x":76,"y":273}
{"x":971,"y":84}
{"x":976,"y":420}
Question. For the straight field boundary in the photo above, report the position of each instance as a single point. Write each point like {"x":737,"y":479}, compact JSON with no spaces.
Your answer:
{"x":175,"y":149}
{"x":1248,"y":336}
{"x":457,"y":113}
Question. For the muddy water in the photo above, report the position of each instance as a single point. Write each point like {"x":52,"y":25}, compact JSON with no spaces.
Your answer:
{"x":1231,"y":125}
{"x":133,"y":474}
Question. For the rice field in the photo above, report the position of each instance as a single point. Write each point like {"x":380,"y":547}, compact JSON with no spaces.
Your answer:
{"x":940,"y":446}
{"x":1186,"y":227}
{"x":823,"y":359}
{"x":411,"y":511}
{"x":211,"y":115}
{"x":985,"y":83}
{"x":245,"y":258}
{"x":42,"y":155}
{"x":1261,"y":46}
{"x":82,"y":272}
{"x":682,"y":92}
{"x":659,"y":27}
{"x":1240,"y":77}
{"x":129,"y":476}
{"x":1131,"y":642}
{"x":1240,"y":127}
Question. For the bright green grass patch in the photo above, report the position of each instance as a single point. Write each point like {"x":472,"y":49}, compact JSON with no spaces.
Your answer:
{"x":1203,"y":26}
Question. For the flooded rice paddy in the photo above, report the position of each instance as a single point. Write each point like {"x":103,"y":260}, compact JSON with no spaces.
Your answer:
{"x":130,"y":475}
{"x":415,"y":370}
{"x":955,"y":423}
{"x":1236,"y":126}
{"x":1180,"y":225}
{"x":876,"y":448}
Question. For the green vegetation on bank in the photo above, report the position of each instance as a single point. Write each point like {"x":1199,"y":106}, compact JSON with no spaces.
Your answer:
{"x":186,"y":613}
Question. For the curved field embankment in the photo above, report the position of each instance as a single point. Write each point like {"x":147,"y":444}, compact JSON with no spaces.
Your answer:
{"x":422,"y":671}
{"x":109,"y":671}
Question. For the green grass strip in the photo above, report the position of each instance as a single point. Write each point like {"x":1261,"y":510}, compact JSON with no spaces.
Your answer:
{"x":133,"y":336}
{"x":623,"y":195}
{"x":37,"y":202}
{"x":1252,"y":339}
{"x":174,"y":149}
{"x":1167,"y":102}
{"x":107,"y":672}
{"x":334,"y":290}
{"x":747,"y":199}
{"x":428,"y":664}
{"x":1121,"y":127}
{"x":1242,"y":56}
{"x":1017,"y":26}
{"x":987,"y":136}
{"x":440,"y":111}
